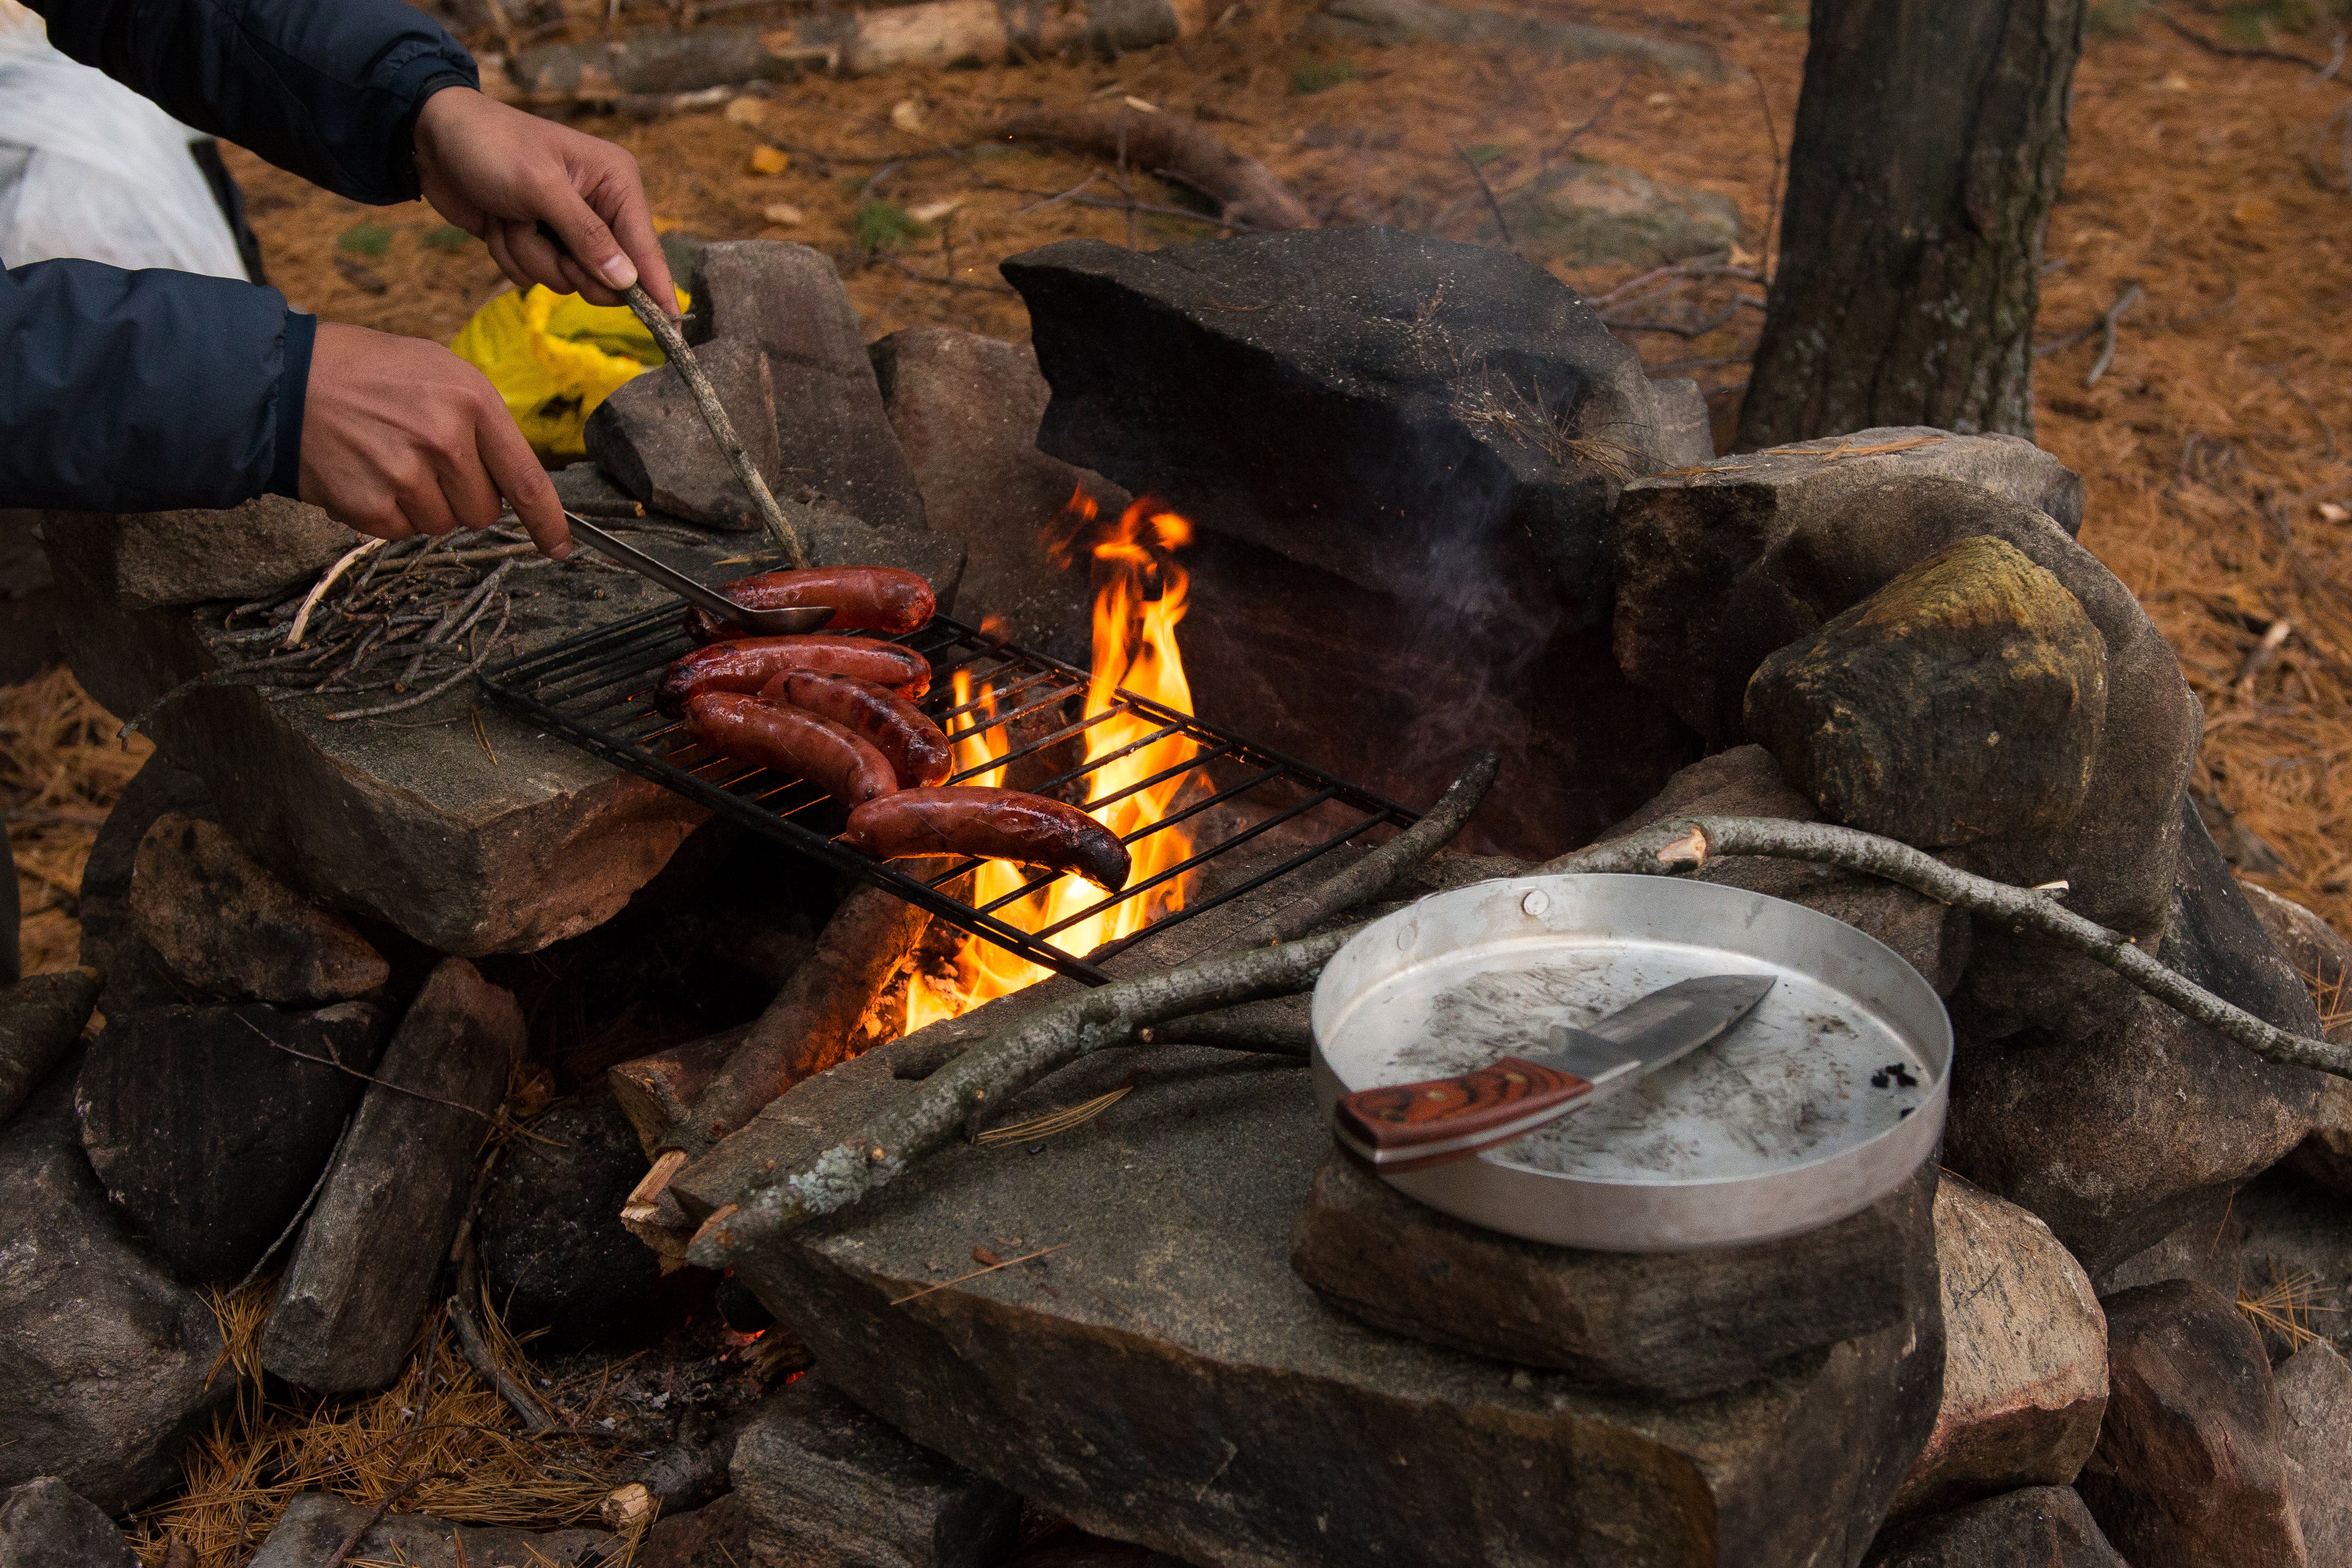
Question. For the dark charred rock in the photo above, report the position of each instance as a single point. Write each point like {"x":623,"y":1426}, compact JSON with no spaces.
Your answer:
{"x":207,"y":1135}
{"x":41,"y":1016}
{"x":1076,"y":1549}
{"x":1404,"y":454}
{"x":136,"y":978}
{"x":375,"y":1241}
{"x":1680,"y":1324}
{"x":225,"y":927}
{"x":2045,"y":1526}
{"x":1745,"y":781}
{"x":824,"y":1485}
{"x":2189,"y":1468}
{"x":1963,"y":701}
{"x":966,"y":409}
{"x":45,"y":1524}
{"x":1168,"y":1379}
{"x":108,"y":1366}
{"x":2025,"y":1357}
{"x":555,"y":1255}
{"x":716,"y":1535}
{"x":2315,"y":1391}
{"x":315,"y":1525}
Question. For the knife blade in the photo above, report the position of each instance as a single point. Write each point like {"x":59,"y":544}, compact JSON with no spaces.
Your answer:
{"x":1403,"y":1127}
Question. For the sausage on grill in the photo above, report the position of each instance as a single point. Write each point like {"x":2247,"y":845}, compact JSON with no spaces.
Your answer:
{"x":915,"y":747}
{"x":792,"y":742}
{"x":990,"y":824}
{"x":749,"y":664}
{"x":863,"y":597}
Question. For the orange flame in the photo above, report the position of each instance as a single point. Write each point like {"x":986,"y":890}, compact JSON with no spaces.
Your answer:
{"x":1139,"y":601}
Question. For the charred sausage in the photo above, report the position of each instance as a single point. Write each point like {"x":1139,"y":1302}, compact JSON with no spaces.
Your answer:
{"x":990,"y":824}
{"x":791,"y":741}
{"x":864,"y":599}
{"x":916,"y":749}
{"x":749,"y":664}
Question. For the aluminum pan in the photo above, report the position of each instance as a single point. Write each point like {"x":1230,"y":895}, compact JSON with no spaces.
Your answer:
{"x":1791,"y":1123}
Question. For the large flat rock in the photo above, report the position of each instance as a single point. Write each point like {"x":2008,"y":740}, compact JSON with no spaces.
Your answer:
{"x":1163,"y":1377}
{"x":472,"y":846}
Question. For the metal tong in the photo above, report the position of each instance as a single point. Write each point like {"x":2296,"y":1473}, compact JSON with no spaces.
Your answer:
{"x":765,"y":623}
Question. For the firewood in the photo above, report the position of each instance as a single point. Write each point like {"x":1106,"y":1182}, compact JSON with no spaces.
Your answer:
{"x":1248,"y":194}
{"x":807,"y":1028}
{"x":658,"y":1093}
{"x":40,"y":1017}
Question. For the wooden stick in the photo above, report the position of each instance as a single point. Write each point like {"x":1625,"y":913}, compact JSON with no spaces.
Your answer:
{"x":525,"y":1405}
{"x":1032,"y":1046}
{"x":1173,"y":147}
{"x":342,"y":1554}
{"x":2130,"y":296}
{"x":1487,"y":191}
{"x":1689,"y":843}
{"x":714,"y":414}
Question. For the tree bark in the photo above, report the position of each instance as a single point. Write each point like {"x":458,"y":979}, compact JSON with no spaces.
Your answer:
{"x":1930,"y":143}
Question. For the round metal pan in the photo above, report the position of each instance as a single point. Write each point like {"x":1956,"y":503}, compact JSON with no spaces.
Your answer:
{"x":1821,"y":1102}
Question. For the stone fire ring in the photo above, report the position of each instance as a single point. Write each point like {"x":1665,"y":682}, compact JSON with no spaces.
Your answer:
{"x":1817,"y":1105}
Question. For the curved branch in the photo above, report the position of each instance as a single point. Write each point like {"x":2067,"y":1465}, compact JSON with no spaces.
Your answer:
{"x":1688,"y":844}
{"x":1032,"y":1046}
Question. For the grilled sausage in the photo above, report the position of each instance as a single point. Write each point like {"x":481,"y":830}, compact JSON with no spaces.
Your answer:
{"x":916,"y":749}
{"x":863,"y":597}
{"x":749,"y":664}
{"x":990,"y":824}
{"x":792,"y":742}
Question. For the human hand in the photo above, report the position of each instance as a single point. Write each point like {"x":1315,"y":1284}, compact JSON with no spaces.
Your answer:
{"x":402,"y":436}
{"x":497,"y":172}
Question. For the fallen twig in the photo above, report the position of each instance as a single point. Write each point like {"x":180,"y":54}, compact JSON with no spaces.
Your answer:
{"x":2132,"y":295}
{"x":1502,"y":224}
{"x":1688,"y":843}
{"x":714,"y":414}
{"x":355,"y":1073}
{"x":525,"y":1405}
{"x":1032,"y":1046}
{"x":1246,"y":191}
{"x":2320,"y":69}
{"x":976,"y":1273}
{"x":350,"y":1542}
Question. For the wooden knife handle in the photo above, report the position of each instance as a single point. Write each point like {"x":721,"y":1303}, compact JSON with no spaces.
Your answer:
{"x":1390,"y":1124}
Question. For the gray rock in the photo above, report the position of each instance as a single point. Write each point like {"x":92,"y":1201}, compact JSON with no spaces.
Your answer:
{"x":375,"y":1241}
{"x":1745,"y":781}
{"x":1593,"y":215}
{"x":2189,"y":1470}
{"x":2046,"y":1527}
{"x":413,"y":823}
{"x":1404,"y":21}
{"x":2287,"y":1230}
{"x":315,"y":1524}
{"x":966,"y":409}
{"x":225,"y":927}
{"x":2207,"y":1246}
{"x":106,"y":1365}
{"x":2025,"y":1357}
{"x":1680,"y":1324}
{"x":136,"y":978}
{"x":824,"y":1485}
{"x":2315,"y":1391}
{"x":555,"y":1255}
{"x":2325,"y":1154}
{"x":1963,"y":701}
{"x":1719,"y":569}
{"x":1166,"y":1379}
{"x":716,"y":1535}
{"x":151,"y":560}
{"x":834,"y":540}
{"x":45,"y":1524}
{"x":649,"y":437}
{"x":2316,"y":952}
{"x":833,"y":439}
{"x":208,"y":1139}
{"x":30,"y":638}
{"x":1686,"y":431}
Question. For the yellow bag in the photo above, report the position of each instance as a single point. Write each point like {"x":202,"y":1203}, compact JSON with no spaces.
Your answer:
{"x":554,"y":358}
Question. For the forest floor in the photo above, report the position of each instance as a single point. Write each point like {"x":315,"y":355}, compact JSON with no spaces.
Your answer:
{"x":2219,"y":487}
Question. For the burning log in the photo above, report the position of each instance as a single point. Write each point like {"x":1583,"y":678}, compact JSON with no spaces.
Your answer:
{"x":807,"y":1028}
{"x":1248,"y":194}
{"x":40,"y":1017}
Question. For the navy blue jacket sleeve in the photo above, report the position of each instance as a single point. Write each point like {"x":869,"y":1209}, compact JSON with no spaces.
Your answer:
{"x":327,"y":88}
{"x":136,"y":391}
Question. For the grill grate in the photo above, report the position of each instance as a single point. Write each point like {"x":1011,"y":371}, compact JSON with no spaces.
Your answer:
{"x":595,"y":690}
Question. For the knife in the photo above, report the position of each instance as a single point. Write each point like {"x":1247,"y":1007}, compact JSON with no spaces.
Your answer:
{"x":764,"y":623}
{"x":1413,"y":1126}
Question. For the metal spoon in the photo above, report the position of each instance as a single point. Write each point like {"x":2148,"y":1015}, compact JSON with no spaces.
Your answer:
{"x":765,"y":623}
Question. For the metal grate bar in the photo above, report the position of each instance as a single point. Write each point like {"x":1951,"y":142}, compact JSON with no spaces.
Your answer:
{"x":595,"y":691}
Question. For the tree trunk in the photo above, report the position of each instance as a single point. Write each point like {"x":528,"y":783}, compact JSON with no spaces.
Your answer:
{"x":1931,"y":138}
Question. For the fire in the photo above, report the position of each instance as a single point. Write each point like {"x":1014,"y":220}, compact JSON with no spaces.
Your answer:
{"x":1136,"y":606}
